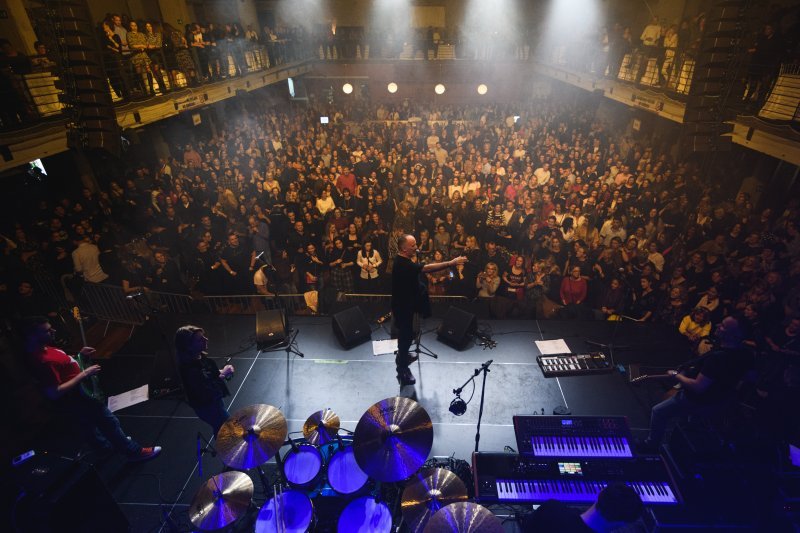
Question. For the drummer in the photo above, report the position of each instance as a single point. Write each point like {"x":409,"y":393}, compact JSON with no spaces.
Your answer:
{"x":203,"y":381}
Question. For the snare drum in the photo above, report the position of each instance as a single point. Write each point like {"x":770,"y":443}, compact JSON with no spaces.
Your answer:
{"x":344,"y":474}
{"x":302,"y":465}
{"x":289,"y":512}
{"x":365,"y":515}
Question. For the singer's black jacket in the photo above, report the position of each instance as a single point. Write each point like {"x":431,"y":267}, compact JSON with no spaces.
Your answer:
{"x":201,"y":382}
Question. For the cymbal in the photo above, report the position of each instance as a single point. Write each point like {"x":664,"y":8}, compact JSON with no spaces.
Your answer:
{"x":430,"y":490}
{"x":393,"y":439}
{"x":321,"y":427}
{"x":464,"y":517}
{"x":251,"y":436}
{"x":223,"y":499}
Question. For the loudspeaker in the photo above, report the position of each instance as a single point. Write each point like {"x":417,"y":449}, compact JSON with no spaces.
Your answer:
{"x":270,"y":328}
{"x":351,"y":327}
{"x":458,"y":328}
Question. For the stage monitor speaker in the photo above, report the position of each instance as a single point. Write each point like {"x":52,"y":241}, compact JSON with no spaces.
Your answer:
{"x":351,"y":327}
{"x":270,"y":328}
{"x":458,"y":328}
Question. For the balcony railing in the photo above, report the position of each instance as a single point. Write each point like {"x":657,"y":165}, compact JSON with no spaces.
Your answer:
{"x":30,"y":99}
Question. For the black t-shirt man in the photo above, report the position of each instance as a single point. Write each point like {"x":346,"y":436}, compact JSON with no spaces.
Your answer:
{"x":409,"y":296}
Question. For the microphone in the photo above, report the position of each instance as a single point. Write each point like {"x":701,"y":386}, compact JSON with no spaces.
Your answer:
{"x":227,"y":362}
{"x":133,"y":295}
{"x":199,"y":456}
{"x":259,"y":255}
{"x":458,"y":406}
{"x":487,"y":364}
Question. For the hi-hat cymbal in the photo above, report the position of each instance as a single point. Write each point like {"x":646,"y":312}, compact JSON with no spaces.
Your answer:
{"x":251,"y":436}
{"x":464,"y":517}
{"x":393,"y":439}
{"x":223,"y":499}
{"x":432,"y":489}
{"x":321,"y":427}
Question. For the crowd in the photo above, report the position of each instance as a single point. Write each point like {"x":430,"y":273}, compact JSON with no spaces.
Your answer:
{"x":622,"y":51}
{"x":557,"y":215}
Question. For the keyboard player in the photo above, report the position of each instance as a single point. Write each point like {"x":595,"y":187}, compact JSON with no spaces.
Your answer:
{"x":616,"y":506}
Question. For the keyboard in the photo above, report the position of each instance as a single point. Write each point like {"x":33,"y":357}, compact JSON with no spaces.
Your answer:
{"x":574,"y":364}
{"x":510,"y":478}
{"x":573,"y":436}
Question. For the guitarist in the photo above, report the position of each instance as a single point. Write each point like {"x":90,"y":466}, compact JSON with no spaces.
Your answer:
{"x":718,"y":375}
{"x":61,"y":378}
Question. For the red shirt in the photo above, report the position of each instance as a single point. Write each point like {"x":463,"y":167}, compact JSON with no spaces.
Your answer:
{"x":346,"y":181}
{"x":57,"y":367}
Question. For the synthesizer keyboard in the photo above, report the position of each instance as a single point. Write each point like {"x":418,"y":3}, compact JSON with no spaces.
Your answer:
{"x":510,"y":478}
{"x":582,"y":364}
{"x":573,"y":436}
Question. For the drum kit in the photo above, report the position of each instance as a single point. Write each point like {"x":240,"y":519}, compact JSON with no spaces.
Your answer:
{"x":363,"y":469}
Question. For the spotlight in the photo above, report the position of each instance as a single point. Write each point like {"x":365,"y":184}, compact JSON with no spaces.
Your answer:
{"x":392,"y":87}
{"x":347,"y":88}
{"x":482,"y":89}
{"x":439,"y":89}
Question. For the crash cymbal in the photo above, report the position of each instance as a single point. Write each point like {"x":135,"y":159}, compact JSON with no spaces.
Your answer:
{"x":321,"y":427}
{"x":464,"y":517}
{"x":251,"y":436}
{"x":430,"y":490}
{"x":221,"y":501}
{"x":393,"y":439}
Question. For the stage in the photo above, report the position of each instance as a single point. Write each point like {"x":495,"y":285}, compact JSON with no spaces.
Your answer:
{"x":349,"y":381}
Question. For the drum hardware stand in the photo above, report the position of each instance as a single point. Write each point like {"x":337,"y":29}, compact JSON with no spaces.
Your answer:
{"x":201,"y":451}
{"x":458,"y":407}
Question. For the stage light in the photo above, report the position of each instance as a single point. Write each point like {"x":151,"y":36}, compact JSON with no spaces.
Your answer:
{"x":439,"y":89}
{"x":347,"y":88}
{"x":482,"y":89}
{"x":392,"y":87}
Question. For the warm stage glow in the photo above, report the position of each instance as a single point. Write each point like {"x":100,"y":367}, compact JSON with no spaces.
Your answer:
{"x":482,"y":89}
{"x":347,"y":88}
{"x":392,"y":87}
{"x":439,"y":89}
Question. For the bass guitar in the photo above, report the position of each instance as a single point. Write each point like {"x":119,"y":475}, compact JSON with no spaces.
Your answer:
{"x":91,"y":386}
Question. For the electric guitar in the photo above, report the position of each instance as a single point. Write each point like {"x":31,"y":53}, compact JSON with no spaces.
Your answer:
{"x":91,"y":386}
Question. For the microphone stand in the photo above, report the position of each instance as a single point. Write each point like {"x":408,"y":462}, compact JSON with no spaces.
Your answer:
{"x":610,"y":346}
{"x":291,"y":341}
{"x":485,"y":369}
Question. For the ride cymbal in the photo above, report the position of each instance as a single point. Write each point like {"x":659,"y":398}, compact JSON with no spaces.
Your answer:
{"x":251,"y":436}
{"x":393,"y":439}
{"x":222,"y":500}
{"x":430,"y":490}
{"x":464,"y":517}
{"x":321,"y":427}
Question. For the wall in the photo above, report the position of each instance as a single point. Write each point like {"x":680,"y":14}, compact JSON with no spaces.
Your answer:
{"x":416,"y":80}
{"x":17,"y":27}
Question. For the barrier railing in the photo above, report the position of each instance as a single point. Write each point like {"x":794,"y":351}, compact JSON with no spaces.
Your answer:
{"x":107,"y":302}
{"x":373,"y":298}
{"x":250,"y":304}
